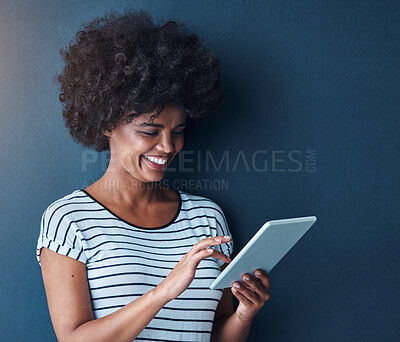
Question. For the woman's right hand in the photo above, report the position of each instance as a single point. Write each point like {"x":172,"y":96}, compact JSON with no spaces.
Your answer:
{"x":183,"y":273}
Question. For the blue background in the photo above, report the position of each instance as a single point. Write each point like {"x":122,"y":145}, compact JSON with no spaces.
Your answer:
{"x":320,"y":78}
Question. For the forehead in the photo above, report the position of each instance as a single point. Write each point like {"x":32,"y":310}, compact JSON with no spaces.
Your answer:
{"x":170,"y":115}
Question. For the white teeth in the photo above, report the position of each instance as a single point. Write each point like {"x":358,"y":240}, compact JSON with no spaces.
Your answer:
{"x":157,"y":160}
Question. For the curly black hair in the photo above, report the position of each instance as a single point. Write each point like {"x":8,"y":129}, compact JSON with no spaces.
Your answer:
{"x":121,"y":66}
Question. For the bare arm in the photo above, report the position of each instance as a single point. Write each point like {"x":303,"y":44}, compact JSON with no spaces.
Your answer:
{"x":227,"y":326}
{"x":68,"y":297}
{"x":230,"y":329}
{"x":70,"y":307}
{"x":252,"y":295}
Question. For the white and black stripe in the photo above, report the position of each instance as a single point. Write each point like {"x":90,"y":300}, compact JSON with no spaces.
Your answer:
{"x":124,"y":261}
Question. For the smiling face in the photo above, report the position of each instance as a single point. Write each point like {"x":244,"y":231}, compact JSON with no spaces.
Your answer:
{"x":143,"y":148}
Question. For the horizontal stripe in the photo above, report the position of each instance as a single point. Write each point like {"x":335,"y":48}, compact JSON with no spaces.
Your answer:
{"x":136,"y":244}
{"x":142,"y":238}
{"x":125,"y":261}
{"x":184,"y":319}
{"x":94,"y":288}
{"x":144,"y":284}
{"x":191,"y":226}
{"x":136,"y":295}
{"x":180,"y":330}
{"x":139,"y":251}
{"x":131,"y":273}
{"x":147,"y":231}
{"x":146,"y":258}
{"x":164,"y":308}
{"x":140,"y":264}
{"x":157,"y":339}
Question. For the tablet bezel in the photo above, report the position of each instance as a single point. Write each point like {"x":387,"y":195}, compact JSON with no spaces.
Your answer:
{"x":222,"y":280}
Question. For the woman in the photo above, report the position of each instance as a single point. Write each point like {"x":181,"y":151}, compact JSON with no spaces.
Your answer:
{"x":128,"y":258}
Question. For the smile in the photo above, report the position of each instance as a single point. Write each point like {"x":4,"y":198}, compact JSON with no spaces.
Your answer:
{"x":159,"y":161}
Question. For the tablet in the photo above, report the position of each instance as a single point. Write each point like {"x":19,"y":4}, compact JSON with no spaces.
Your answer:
{"x":265,"y":249}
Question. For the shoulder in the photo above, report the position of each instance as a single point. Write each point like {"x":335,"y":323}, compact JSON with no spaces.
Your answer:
{"x":196,"y":201}
{"x":207,"y":207}
{"x":64,"y":206}
{"x":57,"y":228}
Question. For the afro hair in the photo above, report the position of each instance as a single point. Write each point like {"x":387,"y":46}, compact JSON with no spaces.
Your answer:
{"x":121,"y":66}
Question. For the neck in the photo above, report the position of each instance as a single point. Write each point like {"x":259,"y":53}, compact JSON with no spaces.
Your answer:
{"x":121,"y":187}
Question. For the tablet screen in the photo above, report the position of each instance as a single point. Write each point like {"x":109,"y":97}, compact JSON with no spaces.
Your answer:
{"x":265,"y":249}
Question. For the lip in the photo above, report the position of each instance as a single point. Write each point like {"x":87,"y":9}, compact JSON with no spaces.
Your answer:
{"x":155,"y":156}
{"x":155,"y":165}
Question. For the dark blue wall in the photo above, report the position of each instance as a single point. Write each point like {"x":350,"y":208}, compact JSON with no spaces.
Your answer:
{"x":313,"y":86}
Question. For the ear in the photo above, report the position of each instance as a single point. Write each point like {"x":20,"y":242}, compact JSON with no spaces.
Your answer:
{"x":107,"y":133}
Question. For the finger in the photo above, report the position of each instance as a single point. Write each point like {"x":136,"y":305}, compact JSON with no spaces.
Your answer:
{"x":209,"y":242}
{"x":218,"y":255}
{"x":254,"y":284}
{"x":257,"y":286}
{"x":245,"y":295}
{"x":263,"y":277}
{"x":243,"y":299}
{"x":209,"y":252}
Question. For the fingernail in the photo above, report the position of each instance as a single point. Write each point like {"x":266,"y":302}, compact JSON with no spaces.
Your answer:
{"x":233,"y":289}
{"x":258,"y":272}
{"x":237,"y":285}
{"x":210,"y":250}
{"x":246,"y":277}
{"x":227,"y":237}
{"x":229,"y":259}
{"x":218,"y":240}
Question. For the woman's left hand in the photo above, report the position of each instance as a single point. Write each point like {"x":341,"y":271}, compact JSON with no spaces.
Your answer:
{"x":252,"y":294}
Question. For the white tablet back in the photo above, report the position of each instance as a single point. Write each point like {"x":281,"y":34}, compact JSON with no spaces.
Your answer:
{"x":269,"y":245}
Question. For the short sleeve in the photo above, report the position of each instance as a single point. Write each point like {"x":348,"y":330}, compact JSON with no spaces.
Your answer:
{"x":222,"y":229}
{"x":58,"y":233}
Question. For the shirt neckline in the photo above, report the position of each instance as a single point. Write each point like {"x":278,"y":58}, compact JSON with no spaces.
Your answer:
{"x":134,"y":225}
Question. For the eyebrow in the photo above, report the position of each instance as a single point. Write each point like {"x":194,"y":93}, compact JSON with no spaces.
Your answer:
{"x":147,"y":124}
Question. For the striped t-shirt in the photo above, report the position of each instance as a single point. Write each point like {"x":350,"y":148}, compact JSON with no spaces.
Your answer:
{"x":124,"y":261}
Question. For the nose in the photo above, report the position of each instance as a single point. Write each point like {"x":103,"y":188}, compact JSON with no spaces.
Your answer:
{"x":167,"y":143}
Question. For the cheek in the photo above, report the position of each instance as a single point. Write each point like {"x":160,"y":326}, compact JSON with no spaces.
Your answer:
{"x":179,"y":143}
{"x":136,"y":144}
{"x":133,"y":148}
{"x":129,"y":162}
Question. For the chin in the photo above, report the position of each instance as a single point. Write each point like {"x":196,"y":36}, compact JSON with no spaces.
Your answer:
{"x":153,"y":179}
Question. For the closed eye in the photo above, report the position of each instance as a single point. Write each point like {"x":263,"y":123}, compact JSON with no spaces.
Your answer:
{"x":155,"y":133}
